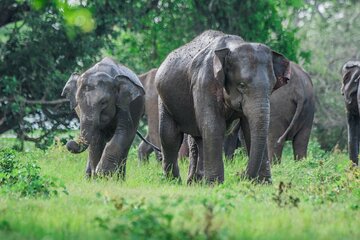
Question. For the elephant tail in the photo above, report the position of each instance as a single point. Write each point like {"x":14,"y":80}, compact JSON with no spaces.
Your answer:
{"x":147,"y":142}
{"x":298,"y":110}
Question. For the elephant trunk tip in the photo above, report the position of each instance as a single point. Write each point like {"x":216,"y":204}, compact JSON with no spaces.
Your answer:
{"x":75,"y":147}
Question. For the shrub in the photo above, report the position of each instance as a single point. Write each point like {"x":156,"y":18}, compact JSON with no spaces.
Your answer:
{"x":147,"y":220}
{"x":25,"y":179}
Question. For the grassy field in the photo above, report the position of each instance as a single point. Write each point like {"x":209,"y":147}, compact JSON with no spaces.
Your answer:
{"x":317,"y":198}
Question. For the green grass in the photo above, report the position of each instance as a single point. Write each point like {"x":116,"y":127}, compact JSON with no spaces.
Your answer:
{"x":317,"y":198}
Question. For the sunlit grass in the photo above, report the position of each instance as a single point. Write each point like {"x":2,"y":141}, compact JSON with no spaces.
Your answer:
{"x":319,"y":199}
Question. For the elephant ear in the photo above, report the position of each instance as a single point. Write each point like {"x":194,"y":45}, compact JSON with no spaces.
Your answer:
{"x":351,"y":77}
{"x":70,"y":89}
{"x":219,"y":63}
{"x":282,"y":69}
{"x":128,"y":90}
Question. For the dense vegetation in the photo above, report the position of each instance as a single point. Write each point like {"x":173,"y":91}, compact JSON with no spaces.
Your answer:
{"x":43,"y":194}
{"x":43,"y":42}
{"x":318,"y":198}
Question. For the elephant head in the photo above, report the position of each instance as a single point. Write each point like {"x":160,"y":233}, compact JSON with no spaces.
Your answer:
{"x":351,"y":77}
{"x":249,"y":74}
{"x":96,"y":95}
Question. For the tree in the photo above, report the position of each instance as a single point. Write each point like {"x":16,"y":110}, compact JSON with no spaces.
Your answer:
{"x":331,"y":30}
{"x":43,"y":42}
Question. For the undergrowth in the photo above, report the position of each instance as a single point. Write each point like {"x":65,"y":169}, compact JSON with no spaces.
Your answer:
{"x":316,"y":198}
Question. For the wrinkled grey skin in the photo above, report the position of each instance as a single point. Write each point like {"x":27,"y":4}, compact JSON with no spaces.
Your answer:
{"x":215,"y":79}
{"x":152,"y":114}
{"x":109,"y":100}
{"x":292,"y":115}
{"x":350,"y":90}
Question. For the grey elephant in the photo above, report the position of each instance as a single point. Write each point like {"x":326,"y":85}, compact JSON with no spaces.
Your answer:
{"x":109,"y":100}
{"x":292,"y":115}
{"x":350,"y":90}
{"x":152,"y":114}
{"x":205,"y":85}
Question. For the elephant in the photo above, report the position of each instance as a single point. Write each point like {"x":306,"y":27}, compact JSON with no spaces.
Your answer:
{"x":152,"y":113}
{"x":204,"y":86}
{"x":109,"y":100}
{"x":292,"y":109}
{"x":350,"y":90}
{"x":291,"y":115}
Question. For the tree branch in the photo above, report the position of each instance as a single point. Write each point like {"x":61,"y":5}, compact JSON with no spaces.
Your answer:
{"x":32,"y":102}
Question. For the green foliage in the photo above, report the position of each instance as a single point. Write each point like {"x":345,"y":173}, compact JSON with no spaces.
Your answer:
{"x":146,"y":220}
{"x":147,"y":40}
{"x":50,"y":40}
{"x":25,"y":179}
{"x":330,"y":30}
{"x":43,"y":42}
{"x":316,"y":198}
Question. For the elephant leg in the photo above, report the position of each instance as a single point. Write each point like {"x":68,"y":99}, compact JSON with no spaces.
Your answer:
{"x":144,"y":150}
{"x":200,"y":172}
{"x":95,"y":152}
{"x":193,"y":159}
{"x":184,"y":148}
{"x":353,"y":137}
{"x":245,"y":129}
{"x":300,"y":143}
{"x":231,"y":142}
{"x":265,"y":169}
{"x":171,"y":139}
{"x":213,"y":130}
{"x":88,"y":170}
{"x":113,"y":159}
{"x":115,"y":154}
{"x":275,"y":149}
{"x":196,"y":168}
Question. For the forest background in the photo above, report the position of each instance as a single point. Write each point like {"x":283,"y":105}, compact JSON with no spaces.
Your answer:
{"x":42,"y":42}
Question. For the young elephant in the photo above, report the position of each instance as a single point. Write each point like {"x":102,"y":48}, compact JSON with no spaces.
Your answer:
{"x":292,"y":115}
{"x":204,"y":86}
{"x":109,"y":100}
{"x":152,"y":113}
{"x":350,"y":90}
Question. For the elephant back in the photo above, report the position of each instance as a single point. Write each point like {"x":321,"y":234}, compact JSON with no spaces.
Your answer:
{"x":113,"y":69}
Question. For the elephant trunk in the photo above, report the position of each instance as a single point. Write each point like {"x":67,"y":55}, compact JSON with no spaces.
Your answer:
{"x":258,"y":115}
{"x":85,"y":138}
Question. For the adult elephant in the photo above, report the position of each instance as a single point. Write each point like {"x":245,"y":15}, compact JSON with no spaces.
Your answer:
{"x":152,"y":114}
{"x":292,"y":115}
{"x":204,"y":86}
{"x":109,"y":100}
{"x":350,"y":90}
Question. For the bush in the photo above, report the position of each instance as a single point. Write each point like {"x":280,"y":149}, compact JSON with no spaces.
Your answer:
{"x":148,"y":220}
{"x":25,"y":179}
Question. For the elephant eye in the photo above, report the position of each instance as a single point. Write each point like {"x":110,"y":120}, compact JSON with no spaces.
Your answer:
{"x":104,"y":102}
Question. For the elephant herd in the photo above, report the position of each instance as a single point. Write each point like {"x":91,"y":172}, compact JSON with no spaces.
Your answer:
{"x":212,"y":84}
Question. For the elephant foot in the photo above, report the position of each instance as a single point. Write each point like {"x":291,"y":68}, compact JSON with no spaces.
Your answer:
{"x":194,"y":178}
{"x":264,"y":180}
{"x":259,"y":179}
{"x":171,"y":179}
{"x":212,"y":180}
